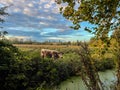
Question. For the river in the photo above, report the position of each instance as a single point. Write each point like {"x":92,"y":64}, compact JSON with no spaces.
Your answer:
{"x":76,"y":83}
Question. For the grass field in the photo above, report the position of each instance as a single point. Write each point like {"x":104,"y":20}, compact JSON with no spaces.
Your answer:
{"x":28,"y":46}
{"x":67,"y":50}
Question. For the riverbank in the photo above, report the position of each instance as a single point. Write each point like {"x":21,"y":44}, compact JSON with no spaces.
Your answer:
{"x":75,"y":83}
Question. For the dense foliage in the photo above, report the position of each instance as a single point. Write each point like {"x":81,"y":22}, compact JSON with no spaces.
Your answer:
{"x":19,"y":72}
{"x":27,"y":71}
{"x":102,"y":15}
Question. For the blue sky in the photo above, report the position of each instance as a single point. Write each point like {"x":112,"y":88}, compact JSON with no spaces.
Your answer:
{"x":40,"y":20}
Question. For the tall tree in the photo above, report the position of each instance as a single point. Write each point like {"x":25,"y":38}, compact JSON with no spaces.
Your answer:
{"x":104,"y":15}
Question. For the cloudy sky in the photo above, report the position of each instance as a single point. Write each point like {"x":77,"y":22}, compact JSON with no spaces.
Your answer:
{"x":39,"y":20}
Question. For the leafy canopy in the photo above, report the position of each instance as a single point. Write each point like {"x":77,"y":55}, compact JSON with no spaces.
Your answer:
{"x":104,"y":15}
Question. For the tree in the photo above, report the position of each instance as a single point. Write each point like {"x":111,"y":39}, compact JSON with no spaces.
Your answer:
{"x":2,"y":14}
{"x":104,"y":15}
{"x":2,"y":34}
{"x":116,"y":34}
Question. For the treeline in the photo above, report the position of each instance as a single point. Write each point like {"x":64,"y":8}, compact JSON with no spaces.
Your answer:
{"x":29,"y":41}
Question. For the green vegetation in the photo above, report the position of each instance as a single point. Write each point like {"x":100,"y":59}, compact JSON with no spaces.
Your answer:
{"x":104,"y":17}
{"x":26,"y":70}
{"x":19,"y":71}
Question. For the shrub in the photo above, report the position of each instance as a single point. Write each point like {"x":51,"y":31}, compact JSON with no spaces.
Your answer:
{"x":10,"y":71}
{"x":102,"y":65}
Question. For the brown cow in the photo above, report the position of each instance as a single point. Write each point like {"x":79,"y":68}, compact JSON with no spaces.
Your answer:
{"x":50,"y":53}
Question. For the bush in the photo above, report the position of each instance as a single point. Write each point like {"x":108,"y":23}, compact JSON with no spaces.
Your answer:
{"x":9,"y":66}
{"x":102,"y":65}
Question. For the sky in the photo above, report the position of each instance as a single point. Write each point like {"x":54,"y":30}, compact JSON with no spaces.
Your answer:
{"x":41,"y":21}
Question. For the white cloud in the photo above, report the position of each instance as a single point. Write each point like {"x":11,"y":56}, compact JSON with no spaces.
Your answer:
{"x":46,"y":10}
{"x":39,"y":7}
{"x":43,"y":33}
{"x":43,"y":23}
{"x":16,"y":10}
{"x":6,"y":2}
{"x":55,"y":38}
{"x":27,"y":11}
{"x":40,"y":17}
{"x":55,"y":10}
{"x":47,"y":6}
{"x":51,"y":18}
{"x":23,"y":1}
{"x":10,"y":37}
{"x":52,"y":2}
{"x":30,"y":5}
{"x":42,"y":1}
{"x":30,"y":12}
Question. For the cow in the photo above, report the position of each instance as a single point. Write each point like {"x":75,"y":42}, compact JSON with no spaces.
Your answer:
{"x":51,"y":54}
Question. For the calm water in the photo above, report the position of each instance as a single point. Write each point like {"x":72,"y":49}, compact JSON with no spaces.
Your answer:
{"x":76,"y":83}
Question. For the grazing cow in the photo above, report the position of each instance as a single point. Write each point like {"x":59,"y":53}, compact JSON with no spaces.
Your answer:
{"x":50,"y":53}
